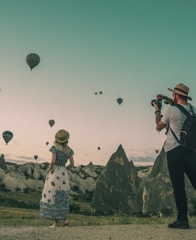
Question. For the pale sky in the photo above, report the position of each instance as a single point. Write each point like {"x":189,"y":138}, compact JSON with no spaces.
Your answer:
{"x":132,"y":49}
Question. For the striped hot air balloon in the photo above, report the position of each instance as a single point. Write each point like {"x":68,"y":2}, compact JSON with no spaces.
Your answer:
{"x":32,"y":60}
{"x":7,"y":136}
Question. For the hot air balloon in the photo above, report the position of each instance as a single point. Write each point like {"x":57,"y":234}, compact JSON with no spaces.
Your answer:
{"x":35,"y":157}
{"x":95,"y":93}
{"x":47,"y":143}
{"x":7,"y":136}
{"x":100,"y":92}
{"x":98,"y":148}
{"x":51,"y":122}
{"x":32,"y":60}
{"x":119,"y":100}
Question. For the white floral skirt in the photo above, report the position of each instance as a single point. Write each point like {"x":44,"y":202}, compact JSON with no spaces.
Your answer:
{"x":54,"y":203}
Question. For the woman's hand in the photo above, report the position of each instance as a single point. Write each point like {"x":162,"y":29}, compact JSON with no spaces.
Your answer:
{"x":71,"y":159}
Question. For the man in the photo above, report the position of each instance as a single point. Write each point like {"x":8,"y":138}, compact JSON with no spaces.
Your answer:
{"x":179,"y":160}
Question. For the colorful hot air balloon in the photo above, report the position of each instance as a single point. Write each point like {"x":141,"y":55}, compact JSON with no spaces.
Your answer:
{"x":32,"y":60}
{"x":119,"y":100}
{"x":35,"y":157}
{"x":51,"y":122}
{"x":7,"y":136}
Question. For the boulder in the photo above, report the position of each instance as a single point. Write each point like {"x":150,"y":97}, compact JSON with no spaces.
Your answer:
{"x":32,"y":170}
{"x":89,"y":170}
{"x":80,"y":184}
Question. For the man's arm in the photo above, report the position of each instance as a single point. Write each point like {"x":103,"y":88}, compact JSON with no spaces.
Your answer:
{"x":159,"y":124}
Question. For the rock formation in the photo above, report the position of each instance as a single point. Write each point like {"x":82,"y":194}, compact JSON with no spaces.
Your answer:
{"x":157,"y":193}
{"x":31,"y":176}
{"x":120,"y":189}
{"x":117,"y":188}
{"x":2,"y":163}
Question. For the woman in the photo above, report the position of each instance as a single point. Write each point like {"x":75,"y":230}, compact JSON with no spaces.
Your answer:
{"x":54,"y":203}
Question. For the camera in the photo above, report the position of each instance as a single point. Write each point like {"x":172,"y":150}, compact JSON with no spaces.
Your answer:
{"x":158,"y":102}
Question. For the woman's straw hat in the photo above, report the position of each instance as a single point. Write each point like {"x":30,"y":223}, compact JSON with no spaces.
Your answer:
{"x":181,"y":89}
{"x":62,"y":136}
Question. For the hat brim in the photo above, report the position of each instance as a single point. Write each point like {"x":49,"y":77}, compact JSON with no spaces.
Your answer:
{"x":61,"y":141}
{"x":180,"y":93}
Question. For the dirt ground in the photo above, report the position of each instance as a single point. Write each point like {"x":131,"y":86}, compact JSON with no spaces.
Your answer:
{"x":108,"y":232}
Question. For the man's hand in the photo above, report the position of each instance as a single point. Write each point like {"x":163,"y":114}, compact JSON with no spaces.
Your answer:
{"x":166,"y":99}
{"x":156,"y":107}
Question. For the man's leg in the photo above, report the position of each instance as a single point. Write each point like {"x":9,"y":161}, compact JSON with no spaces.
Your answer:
{"x":175,"y":160}
{"x":190,"y":167}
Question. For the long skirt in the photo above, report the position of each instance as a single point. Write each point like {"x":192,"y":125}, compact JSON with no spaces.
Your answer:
{"x":54,"y":203}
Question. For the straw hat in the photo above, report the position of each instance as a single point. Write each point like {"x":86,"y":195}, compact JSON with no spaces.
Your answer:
{"x":181,"y":89}
{"x":62,"y":136}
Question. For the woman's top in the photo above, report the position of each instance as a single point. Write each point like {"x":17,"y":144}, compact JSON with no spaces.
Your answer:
{"x":61,"y":158}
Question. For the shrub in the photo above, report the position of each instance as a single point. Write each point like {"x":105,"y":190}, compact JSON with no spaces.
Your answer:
{"x":4,"y":188}
{"x":18,"y":189}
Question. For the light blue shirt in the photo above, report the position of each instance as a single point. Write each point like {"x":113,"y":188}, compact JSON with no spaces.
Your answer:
{"x":175,"y":118}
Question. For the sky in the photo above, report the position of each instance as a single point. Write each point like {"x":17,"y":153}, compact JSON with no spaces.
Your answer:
{"x":133,"y":49}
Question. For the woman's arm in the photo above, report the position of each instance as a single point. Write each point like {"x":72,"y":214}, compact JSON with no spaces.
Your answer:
{"x":52,"y":162}
{"x":71,"y":164}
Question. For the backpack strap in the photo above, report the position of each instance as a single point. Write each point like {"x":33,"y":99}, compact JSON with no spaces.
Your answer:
{"x":192,"y":109}
{"x":186,"y":113}
{"x":184,"y":110}
{"x":174,"y":135}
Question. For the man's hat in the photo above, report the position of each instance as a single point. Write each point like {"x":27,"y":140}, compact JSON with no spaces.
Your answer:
{"x":181,"y":89}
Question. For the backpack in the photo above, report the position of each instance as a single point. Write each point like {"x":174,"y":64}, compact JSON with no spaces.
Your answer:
{"x":188,"y":130}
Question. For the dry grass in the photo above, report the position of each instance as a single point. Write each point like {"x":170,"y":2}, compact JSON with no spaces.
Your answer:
{"x":29,"y":217}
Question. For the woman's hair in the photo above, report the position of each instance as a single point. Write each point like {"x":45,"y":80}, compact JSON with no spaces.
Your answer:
{"x":62,"y":147}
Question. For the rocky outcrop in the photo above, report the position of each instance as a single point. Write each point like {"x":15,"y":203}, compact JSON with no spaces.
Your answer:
{"x":2,"y":163}
{"x":33,"y":170}
{"x":31,"y":176}
{"x":157,"y":193}
{"x":117,"y":188}
{"x":120,"y":189}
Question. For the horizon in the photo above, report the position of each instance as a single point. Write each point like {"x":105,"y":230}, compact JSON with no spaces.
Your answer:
{"x":137,"y":161}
